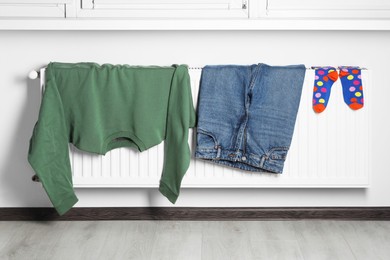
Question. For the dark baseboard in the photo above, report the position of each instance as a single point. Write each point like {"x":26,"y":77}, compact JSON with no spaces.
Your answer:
{"x":198,"y":213}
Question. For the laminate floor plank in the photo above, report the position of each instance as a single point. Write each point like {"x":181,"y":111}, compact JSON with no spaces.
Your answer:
{"x":31,"y":240}
{"x":129,"y":240}
{"x":273,"y":240}
{"x":368,"y":239}
{"x":226,"y":240}
{"x":322,"y":240}
{"x":8,"y":229}
{"x":80,"y":240}
{"x":178,"y":240}
{"x":277,"y":250}
{"x":305,"y":239}
{"x":13,"y":238}
{"x":271,"y":230}
{"x":106,"y":240}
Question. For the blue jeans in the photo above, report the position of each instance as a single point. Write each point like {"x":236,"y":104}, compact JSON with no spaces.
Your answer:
{"x":246,"y":115}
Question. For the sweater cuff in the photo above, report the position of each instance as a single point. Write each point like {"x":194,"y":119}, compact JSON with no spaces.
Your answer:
{"x":167,"y":192}
{"x":66,"y":204}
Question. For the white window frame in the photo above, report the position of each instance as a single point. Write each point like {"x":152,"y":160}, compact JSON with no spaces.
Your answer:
{"x":33,"y":8}
{"x":170,"y":9}
{"x":356,"y":9}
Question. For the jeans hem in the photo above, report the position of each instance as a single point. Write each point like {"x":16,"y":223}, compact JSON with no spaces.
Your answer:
{"x":247,"y":162}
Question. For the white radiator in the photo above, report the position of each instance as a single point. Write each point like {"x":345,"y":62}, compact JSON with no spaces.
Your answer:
{"x":331,"y":149}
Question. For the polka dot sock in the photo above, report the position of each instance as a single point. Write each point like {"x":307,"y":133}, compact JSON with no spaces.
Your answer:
{"x":351,"y":80}
{"x":324,"y":79}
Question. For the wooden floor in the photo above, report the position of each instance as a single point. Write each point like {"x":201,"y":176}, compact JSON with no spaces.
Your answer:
{"x":186,"y":240}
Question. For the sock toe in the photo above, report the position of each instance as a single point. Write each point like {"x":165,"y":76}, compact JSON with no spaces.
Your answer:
{"x":355,"y":106}
{"x":319,"y":108}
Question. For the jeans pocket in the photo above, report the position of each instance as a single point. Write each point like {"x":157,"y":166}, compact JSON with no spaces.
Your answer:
{"x":205,"y":140}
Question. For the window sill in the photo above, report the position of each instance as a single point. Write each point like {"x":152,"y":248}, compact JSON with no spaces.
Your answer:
{"x":195,"y":24}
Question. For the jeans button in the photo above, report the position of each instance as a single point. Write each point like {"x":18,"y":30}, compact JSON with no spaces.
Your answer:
{"x":243,"y":158}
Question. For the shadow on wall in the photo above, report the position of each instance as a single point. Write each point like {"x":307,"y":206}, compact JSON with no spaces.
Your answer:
{"x":17,"y":172}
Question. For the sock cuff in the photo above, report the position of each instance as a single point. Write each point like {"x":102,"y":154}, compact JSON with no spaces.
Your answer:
{"x":347,"y":70}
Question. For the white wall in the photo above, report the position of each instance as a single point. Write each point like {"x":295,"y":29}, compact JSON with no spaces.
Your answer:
{"x":21,"y":52}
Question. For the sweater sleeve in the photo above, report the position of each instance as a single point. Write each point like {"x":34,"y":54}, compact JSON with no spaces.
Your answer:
{"x":181,"y":116}
{"x":49,"y":152}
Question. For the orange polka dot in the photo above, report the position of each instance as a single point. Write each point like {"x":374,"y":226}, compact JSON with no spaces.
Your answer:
{"x":355,"y":71}
{"x":315,"y":89}
{"x":319,"y":108}
{"x":361,"y":87}
{"x":325,"y":78}
{"x":353,"y":100}
{"x":355,"y":106}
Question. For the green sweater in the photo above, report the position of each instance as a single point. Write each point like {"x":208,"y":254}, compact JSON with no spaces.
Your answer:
{"x":99,"y":108}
